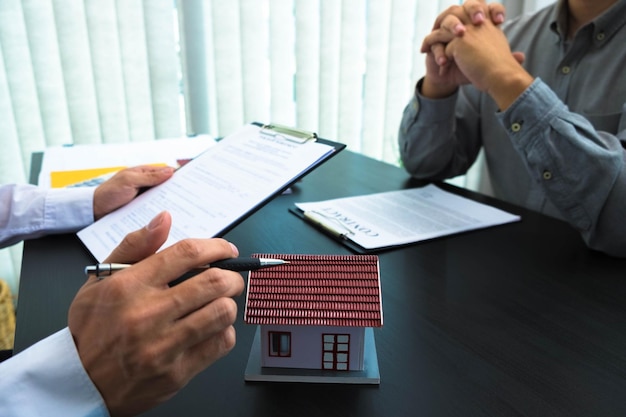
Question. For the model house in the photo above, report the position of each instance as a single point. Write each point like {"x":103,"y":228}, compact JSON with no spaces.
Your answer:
{"x":313,"y":313}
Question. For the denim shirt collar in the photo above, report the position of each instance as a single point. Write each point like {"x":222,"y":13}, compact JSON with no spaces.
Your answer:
{"x":600,"y":29}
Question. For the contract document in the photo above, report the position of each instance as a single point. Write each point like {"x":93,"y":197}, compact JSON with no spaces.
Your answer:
{"x":218,"y":189}
{"x":397,"y":218}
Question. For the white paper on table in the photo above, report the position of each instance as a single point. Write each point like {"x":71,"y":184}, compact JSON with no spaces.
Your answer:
{"x":405,"y":216}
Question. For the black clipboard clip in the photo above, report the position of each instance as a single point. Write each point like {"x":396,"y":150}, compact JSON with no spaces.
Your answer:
{"x":289,"y":133}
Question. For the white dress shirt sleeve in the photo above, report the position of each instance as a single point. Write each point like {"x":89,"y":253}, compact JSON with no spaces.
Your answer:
{"x":48,"y":379}
{"x":28,"y":212}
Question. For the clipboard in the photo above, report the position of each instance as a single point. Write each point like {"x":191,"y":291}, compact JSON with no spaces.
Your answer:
{"x":220,"y":188}
{"x":295,"y":135}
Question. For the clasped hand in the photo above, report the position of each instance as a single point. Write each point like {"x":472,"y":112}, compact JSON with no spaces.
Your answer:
{"x":466,"y":45}
{"x":141,"y":341}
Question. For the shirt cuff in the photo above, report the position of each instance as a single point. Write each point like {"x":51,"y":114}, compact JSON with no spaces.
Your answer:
{"x":529,"y":113}
{"x":68,"y":209}
{"x":49,"y":379}
{"x":434,"y":110}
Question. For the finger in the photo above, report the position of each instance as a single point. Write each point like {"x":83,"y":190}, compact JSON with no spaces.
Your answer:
{"x":205,"y":353}
{"x":195,"y":359}
{"x":203,"y":324}
{"x":143,"y":242}
{"x":208,"y":351}
{"x":179,"y":258}
{"x":439,"y":36}
{"x":497,"y":13}
{"x":444,"y":70}
{"x":200,"y":290}
{"x":520,"y":57}
{"x":439,"y":53}
{"x":144,"y":175}
{"x":453,"y":25}
{"x":125,"y":185}
{"x":477,"y":11}
{"x":196,"y":327}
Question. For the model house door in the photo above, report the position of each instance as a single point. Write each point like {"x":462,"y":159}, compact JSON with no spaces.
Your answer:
{"x":335,"y":351}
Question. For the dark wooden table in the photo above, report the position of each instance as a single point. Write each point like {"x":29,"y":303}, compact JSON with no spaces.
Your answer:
{"x":517,"y":320}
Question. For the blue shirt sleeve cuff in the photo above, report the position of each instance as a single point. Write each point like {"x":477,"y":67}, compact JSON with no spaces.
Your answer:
{"x":434,"y":110}
{"x":530,"y":111}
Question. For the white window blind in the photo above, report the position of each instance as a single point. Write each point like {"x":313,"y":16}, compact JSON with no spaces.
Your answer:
{"x":74,"y":71}
{"x":100,"y":71}
{"x":85,"y":72}
{"x":344,"y":69}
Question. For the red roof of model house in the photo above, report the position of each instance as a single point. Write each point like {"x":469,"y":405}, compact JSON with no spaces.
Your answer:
{"x":316,"y":290}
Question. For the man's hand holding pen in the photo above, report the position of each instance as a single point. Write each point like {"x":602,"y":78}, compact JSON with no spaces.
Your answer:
{"x":232,"y":264}
{"x":137,"y":335}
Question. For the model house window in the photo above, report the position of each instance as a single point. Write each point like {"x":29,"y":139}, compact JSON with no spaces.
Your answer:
{"x":335,"y":351}
{"x":280,"y":343}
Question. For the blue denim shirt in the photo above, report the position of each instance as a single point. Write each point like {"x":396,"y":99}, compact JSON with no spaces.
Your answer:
{"x":559,"y":148}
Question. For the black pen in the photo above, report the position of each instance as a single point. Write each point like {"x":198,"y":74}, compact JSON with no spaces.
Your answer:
{"x":232,"y":264}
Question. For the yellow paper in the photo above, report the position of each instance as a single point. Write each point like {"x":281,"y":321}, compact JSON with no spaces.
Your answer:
{"x":59,"y":179}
